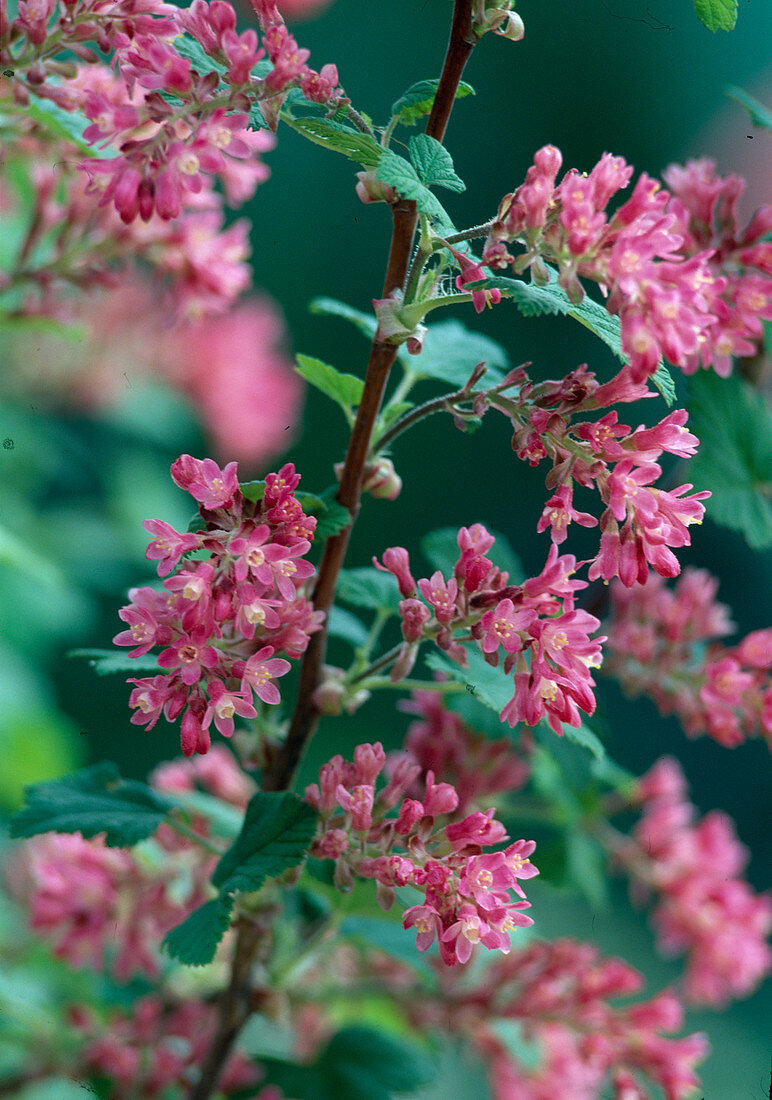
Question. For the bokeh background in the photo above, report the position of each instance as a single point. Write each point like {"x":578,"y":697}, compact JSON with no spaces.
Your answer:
{"x":644,"y":80}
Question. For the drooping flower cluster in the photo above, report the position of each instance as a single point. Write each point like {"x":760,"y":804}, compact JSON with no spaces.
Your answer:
{"x":466,"y":891}
{"x":231,"y":367}
{"x":477,"y":767}
{"x":654,"y":258}
{"x":703,"y":908}
{"x":155,"y":1047}
{"x":641,"y":524}
{"x":572,"y":1041}
{"x":221,"y":620}
{"x":110,"y":908}
{"x":536,"y":620}
{"x":173,"y":122}
{"x":661,"y":643}
{"x":71,"y":244}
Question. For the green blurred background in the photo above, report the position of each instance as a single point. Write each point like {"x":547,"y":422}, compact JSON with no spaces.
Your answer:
{"x":644,"y":80}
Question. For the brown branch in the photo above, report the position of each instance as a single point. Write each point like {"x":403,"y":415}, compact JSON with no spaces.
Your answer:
{"x":235,"y":1006}
{"x":280,"y":770}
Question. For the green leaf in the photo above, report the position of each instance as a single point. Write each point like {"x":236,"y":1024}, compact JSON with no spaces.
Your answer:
{"x":586,"y":865}
{"x":451,"y":352}
{"x":191,"y":49}
{"x":357,"y":1063}
{"x":488,"y":685}
{"x":278,"y":828}
{"x":365,"y":322}
{"x":342,"y":624}
{"x":434,"y":164}
{"x":400,"y":174}
{"x":418,"y":100}
{"x":369,"y":587}
{"x":761,"y":116}
{"x":331,"y":517}
{"x":340,"y":138}
{"x":734,"y":461}
{"x":252,"y":490}
{"x":345,"y":389}
{"x":717,"y":15}
{"x":584,"y":736}
{"x":92,"y":801}
{"x":440,"y":548}
{"x":535,"y":301}
{"x":194,"y":942}
{"x":105,"y":662}
{"x":68,"y":125}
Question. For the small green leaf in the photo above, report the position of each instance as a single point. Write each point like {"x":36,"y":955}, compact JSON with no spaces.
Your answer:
{"x":345,"y":389}
{"x":365,"y":322}
{"x":368,"y":587}
{"x":62,"y":124}
{"x":278,"y":828}
{"x":342,"y":624}
{"x":331,"y":516}
{"x":92,"y":801}
{"x":434,"y":164}
{"x":535,"y":301}
{"x":451,"y":352}
{"x":487,"y":684}
{"x":761,"y":116}
{"x":717,"y":15}
{"x":340,"y":138}
{"x":105,"y":662}
{"x":252,"y":490}
{"x":418,"y":100}
{"x":191,"y":49}
{"x":734,"y":461}
{"x":400,"y":174}
{"x":194,"y":942}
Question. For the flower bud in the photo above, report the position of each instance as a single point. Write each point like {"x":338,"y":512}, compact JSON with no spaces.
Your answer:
{"x":382,"y":481}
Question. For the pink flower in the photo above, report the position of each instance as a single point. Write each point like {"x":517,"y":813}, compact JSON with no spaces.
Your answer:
{"x":206,"y":482}
{"x":190,"y":654}
{"x":168,"y":546}
{"x":261,"y":669}
{"x":426,"y":921}
{"x":502,"y":626}
{"x":224,"y":704}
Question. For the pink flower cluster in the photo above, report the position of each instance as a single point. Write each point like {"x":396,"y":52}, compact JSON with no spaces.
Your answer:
{"x":536,"y":620}
{"x":221,"y":619}
{"x":152,"y":1049}
{"x":111,"y":907}
{"x":466,"y":892}
{"x":641,"y":524}
{"x":655,"y":258}
{"x":704,"y":909}
{"x":661,"y":643}
{"x":558,"y":994}
{"x":173,"y":127}
{"x":199,"y":267}
{"x":440,"y":742}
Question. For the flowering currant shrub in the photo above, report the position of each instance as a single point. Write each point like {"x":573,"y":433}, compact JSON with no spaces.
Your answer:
{"x":258,"y":924}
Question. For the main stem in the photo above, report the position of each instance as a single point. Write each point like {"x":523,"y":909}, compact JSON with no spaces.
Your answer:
{"x":281,"y":769}
{"x":235,"y":1007}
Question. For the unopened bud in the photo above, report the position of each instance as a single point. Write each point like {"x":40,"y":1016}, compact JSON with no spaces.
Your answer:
{"x":382,"y":481}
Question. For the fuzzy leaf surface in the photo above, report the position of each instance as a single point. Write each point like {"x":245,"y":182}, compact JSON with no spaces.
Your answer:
{"x":418,"y":100}
{"x":400,"y":174}
{"x":369,"y":587}
{"x":277,"y":830}
{"x":194,"y":942}
{"x":345,"y":389}
{"x":434,"y":164}
{"x":717,"y":15}
{"x":341,"y":139}
{"x":451,"y":352}
{"x":92,"y":801}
